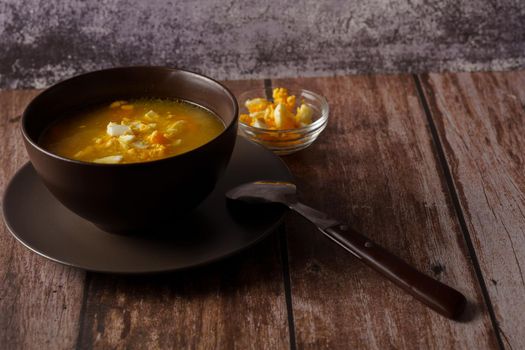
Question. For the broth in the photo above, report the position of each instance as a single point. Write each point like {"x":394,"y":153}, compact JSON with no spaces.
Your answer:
{"x":132,"y":131}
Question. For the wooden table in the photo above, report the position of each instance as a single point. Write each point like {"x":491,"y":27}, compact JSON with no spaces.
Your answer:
{"x":430,"y":166}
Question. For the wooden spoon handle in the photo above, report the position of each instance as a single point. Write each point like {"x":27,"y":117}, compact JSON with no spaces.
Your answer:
{"x":438,"y":296}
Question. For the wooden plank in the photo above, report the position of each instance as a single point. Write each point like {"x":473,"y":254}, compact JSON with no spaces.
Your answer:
{"x":40,"y":301}
{"x":480,"y":119}
{"x":375,"y":167}
{"x":239,"y":303}
{"x":235,"y":304}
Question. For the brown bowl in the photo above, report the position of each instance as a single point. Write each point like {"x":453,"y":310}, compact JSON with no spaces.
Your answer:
{"x":131,"y":197}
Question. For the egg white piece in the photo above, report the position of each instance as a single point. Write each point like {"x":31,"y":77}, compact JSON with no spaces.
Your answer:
{"x":109,"y":160}
{"x":281,"y":116}
{"x":126,"y":138}
{"x":151,"y":114}
{"x":259,"y":123}
{"x":114,"y":129}
{"x":304,"y":115}
{"x":140,"y":145}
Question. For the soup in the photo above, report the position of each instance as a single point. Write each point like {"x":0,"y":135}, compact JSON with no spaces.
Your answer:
{"x":132,"y":131}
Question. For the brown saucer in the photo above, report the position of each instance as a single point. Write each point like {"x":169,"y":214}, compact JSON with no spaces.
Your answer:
{"x":211,"y":232}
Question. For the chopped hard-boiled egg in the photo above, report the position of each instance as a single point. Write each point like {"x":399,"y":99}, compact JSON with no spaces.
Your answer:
{"x":283,"y":118}
{"x":126,"y":138}
{"x":281,"y":114}
{"x":151,"y":114}
{"x":304,"y":115}
{"x":259,"y":123}
{"x":114,"y":129}
{"x":280,"y":95}
{"x":140,"y":145}
{"x":109,"y":160}
{"x":257,"y":104}
{"x":157,"y":137}
{"x":175,"y":128}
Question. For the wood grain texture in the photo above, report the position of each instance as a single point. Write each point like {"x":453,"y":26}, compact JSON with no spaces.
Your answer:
{"x":40,"y":301}
{"x":239,"y":303}
{"x":375,"y":167}
{"x":480,"y":119}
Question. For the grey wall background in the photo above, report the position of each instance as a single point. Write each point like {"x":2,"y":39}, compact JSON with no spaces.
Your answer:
{"x":43,"y":41}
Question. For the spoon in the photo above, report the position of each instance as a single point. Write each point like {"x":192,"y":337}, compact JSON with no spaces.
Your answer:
{"x":436,"y":295}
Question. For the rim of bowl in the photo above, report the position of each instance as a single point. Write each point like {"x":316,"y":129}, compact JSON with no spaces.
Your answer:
{"x":165,"y":68}
{"x":325,"y":109}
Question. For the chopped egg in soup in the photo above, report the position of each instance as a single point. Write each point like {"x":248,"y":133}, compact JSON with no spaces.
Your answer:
{"x":132,"y":131}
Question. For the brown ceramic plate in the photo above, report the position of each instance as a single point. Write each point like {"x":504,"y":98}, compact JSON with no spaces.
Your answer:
{"x":213,"y":231}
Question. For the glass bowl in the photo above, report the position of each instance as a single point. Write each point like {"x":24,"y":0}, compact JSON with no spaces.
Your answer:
{"x":287,"y":141}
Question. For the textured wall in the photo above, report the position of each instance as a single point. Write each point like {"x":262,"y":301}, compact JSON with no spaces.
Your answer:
{"x":43,"y":41}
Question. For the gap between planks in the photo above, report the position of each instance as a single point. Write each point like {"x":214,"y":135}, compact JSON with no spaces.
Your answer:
{"x":436,"y":141}
{"x":283,"y":248}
